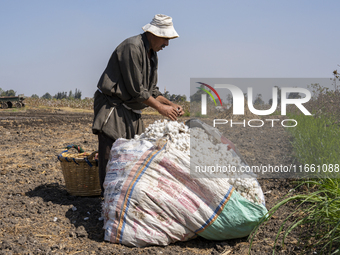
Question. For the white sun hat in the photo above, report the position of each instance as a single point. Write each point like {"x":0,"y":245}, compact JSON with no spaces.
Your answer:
{"x":161,"y":26}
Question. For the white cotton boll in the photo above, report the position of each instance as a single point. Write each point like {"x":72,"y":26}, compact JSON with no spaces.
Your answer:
{"x":255,"y":184}
{"x":245,"y":184}
{"x":237,"y":183}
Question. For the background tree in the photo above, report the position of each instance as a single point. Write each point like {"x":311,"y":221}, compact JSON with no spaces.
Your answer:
{"x":335,"y":79}
{"x":258,"y":100}
{"x":230,"y":99}
{"x":278,"y":95}
{"x":35,"y":96}
{"x":77,"y":94}
{"x":167,"y":95}
{"x":47,"y":96}
{"x":173,"y":97}
{"x":60,"y":95}
{"x":70,"y":95}
{"x":294,"y":95}
{"x":180,"y":98}
{"x":8,"y":93}
{"x":197,"y":96}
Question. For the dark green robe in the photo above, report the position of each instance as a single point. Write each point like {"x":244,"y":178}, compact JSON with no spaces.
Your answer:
{"x":129,"y":78}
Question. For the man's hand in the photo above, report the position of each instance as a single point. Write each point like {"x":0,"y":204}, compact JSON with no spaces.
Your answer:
{"x":179,"y":109}
{"x":168,"y":111}
{"x":165,"y":101}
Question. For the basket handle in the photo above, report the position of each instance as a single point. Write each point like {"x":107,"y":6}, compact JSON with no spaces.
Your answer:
{"x":77,"y":147}
{"x":92,"y":156}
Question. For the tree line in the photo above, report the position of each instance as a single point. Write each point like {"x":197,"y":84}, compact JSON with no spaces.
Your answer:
{"x":61,"y":95}
{"x":174,"y":97}
{"x":7,"y":93}
{"x":77,"y":95}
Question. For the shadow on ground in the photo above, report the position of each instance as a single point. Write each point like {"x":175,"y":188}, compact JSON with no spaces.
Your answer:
{"x":84,"y":214}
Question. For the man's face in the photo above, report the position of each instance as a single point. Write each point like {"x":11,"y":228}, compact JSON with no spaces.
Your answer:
{"x":158,"y":43}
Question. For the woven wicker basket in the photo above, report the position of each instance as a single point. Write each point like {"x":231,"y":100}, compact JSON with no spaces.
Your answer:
{"x":80,"y":173}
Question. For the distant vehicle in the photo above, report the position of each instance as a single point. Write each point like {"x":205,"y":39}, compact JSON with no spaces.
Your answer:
{"x":12,"y":101}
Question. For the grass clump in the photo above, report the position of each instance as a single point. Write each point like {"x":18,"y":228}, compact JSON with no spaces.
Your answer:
{"x":316,"y":218}
{"x":316,"y":140}
{"x":316,"y":143}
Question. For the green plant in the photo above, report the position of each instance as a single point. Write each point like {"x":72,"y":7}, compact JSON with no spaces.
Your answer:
{"x":277,"y":112}
{"x":319,"y":211}
{"x":186,"y":114}
{"x":315,"y":141}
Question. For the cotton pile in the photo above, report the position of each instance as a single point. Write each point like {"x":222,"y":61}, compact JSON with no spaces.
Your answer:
{"x":205,"y":150}
{"x":178,"y":133}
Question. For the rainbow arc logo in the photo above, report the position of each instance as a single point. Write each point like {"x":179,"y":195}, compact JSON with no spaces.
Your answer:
{"x":208,"y":92}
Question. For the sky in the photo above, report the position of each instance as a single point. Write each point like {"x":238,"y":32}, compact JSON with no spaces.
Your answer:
{"x":57,"y":45}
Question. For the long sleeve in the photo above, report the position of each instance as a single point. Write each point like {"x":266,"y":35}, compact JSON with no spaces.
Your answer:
{"x":131,"y":63}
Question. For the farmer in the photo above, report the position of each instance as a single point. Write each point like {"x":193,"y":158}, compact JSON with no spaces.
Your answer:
{"x":128,"y":85}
